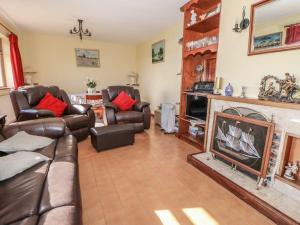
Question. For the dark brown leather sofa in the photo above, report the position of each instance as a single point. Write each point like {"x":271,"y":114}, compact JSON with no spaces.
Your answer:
{"x":49,"y":192}
{"x":79,"y":118}
{"x":139,"y":116}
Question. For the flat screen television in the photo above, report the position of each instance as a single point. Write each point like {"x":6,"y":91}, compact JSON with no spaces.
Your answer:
{"x":196,"y":107}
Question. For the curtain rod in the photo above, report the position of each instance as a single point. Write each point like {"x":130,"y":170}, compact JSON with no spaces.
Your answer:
{"x":295,"y":24}
{"x":6,"y":28}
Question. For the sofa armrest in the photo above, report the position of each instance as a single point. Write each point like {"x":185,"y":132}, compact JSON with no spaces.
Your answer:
{"x":50,"y":127}
{"x":141,"y":105}
{"x":110,"y":105}
{"x":30,"y":114}
{"x":80,"y":109}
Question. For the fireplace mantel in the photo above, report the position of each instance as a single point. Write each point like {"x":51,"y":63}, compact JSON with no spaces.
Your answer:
{"x":256,"y":102}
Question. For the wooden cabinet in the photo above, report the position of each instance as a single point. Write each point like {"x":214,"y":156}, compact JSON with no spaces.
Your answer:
{"x":206,"y":27}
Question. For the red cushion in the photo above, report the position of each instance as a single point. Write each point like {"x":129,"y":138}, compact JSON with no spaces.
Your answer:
{"x":124,"y":102}
{"x":49,"y":102}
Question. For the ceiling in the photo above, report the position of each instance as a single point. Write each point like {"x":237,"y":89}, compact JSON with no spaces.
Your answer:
{"x":124,"y":21}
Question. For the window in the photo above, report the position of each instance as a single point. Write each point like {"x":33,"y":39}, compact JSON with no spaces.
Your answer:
{"x":2,"y":69}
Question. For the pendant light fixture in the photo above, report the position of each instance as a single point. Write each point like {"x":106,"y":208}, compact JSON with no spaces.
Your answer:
{"x":80,"y":31}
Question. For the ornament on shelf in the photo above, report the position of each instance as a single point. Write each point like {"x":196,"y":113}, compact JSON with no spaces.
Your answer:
{"x":243,"y":94}
{"x":193,"y":17}
{"x":275,"y":89}
{"x":291,"y":171}
{"x":229,"y":90}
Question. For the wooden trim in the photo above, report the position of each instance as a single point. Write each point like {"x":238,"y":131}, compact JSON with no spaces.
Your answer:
{"x":250,"y":52}
{"x":267,"y":149}
{"x":257,"y":203}
{"x":207,"y":124}
{"x":256,"y":102}
{"x":3,"y":65}
{"x":6,"y":28}
{"x":286,"y":150}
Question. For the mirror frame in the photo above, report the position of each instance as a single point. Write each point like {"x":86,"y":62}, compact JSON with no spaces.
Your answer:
{"x":250,"y":41}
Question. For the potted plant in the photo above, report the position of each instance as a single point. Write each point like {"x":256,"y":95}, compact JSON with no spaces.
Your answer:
{"x":91,"y":85}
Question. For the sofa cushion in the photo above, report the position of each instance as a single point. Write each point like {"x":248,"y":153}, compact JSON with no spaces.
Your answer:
{"x":27,"y":221}
{"x":124,"y":102}
{"x":75,"y":122}
{"x":66,"y":215}
{"x":49,"y":102}
{"x":22,"y":192}
{"x":16,"y":163}
{"x":23,"y":141}
{"x":61,"y":186}
{"x":130,"y":117}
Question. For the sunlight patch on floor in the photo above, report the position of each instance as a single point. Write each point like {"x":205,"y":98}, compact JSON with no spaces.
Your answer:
{"x":166,"y":217}
{"x":199,"y":216}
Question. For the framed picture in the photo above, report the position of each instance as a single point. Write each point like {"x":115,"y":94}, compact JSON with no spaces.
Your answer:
{"x":158,"y":52}
{"x":87,"y":57}
{"x":268,"y":41}
{"x":242,"y":141}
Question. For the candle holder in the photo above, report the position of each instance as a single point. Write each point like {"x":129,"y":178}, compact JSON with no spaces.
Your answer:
{"x":218,"y":85}
{"x":244,"y":24}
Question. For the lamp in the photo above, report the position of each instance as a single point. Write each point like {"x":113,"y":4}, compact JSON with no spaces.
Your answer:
{"x":133,"y":79}
{"x":244,"y":24}
{"x":80,"y":30}
{"x":28,"y":75}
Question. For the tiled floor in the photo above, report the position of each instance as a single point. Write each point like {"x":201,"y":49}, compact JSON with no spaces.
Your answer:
{"x":150,"y":183}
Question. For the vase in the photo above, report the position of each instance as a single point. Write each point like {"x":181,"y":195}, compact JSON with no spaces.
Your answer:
{"x":229,"y":90}
{"x":91,"y":90}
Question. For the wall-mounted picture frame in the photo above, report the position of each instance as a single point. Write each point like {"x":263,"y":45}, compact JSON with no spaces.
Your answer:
{"x":158,"y":52}
{"x":87,"y":57}
{"x":268,"y":41}
{"x":244,"y":142}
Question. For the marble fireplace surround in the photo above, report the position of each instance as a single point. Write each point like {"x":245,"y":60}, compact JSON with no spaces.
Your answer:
{"x":286,"y":117}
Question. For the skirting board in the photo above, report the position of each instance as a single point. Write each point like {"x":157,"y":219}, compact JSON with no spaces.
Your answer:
{"x":258,"y":204}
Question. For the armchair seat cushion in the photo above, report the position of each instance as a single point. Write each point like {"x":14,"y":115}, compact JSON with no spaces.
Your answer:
{"x":75,"y":122}
{"x":130,"y":117}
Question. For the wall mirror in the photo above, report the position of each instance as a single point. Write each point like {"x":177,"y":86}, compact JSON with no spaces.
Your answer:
{"x":275,"y":26}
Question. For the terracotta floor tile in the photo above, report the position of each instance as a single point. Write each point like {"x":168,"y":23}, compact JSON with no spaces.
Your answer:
{"x":133,"y":185}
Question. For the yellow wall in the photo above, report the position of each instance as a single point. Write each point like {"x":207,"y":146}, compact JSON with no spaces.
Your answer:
{"x":53,"y":57}
{"x":235,"y":66}
{"x":160,"y":82}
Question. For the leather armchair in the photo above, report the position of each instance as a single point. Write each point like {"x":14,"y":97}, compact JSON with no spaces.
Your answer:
{"x":139,"y":116}
{"x":78,"y":118}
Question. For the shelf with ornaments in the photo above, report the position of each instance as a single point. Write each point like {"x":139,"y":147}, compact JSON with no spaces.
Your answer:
{"x":207,"y":49}
{"x":200,"y":4}
{"x":208,"y":24}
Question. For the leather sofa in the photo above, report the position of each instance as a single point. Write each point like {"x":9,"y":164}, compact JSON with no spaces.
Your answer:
{"x":79,"y":118}
{"x":139,"y":116}
{"x":49,"y":192}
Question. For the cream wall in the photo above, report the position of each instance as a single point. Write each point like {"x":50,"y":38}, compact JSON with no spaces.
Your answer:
{"x":160,"y":82}
{"x":235,"y":66}
{"x":53,"y":57}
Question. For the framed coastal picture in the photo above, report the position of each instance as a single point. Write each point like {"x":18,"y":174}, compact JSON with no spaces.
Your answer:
{"x":268,"y":41}
{"x":158,"y":52}
{"x":244,"y":142}
{"x":87,"y":57}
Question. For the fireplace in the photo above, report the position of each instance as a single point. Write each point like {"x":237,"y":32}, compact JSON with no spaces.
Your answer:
{"x":245,"y":142}
{"x":290,"y":154}
{"x":279,"y":198}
